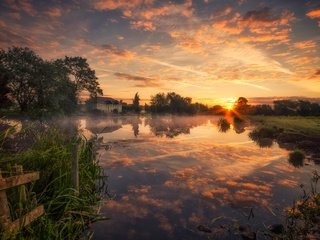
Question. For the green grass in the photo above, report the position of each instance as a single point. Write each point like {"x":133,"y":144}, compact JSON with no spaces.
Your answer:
{"x":67,"y":213}
{"x":294,"y":124}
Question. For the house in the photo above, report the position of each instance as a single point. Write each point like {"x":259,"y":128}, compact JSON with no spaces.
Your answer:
{"x":108,"y":105}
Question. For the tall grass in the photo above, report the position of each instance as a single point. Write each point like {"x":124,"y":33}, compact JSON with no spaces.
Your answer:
{"x":67,"y":212}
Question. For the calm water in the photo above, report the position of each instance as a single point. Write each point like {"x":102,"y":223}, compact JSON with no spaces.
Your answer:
{"x":167,"y":175}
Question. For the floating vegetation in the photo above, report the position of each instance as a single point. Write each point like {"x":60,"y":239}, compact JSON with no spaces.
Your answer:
{"x":296,"y":158}
{"x":223,"y":125}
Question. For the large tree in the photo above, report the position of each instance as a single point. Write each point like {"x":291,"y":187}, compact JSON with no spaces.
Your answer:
{"x":5,"y":101}
{"x":83,"y":76}
{"x":21,"y":65}
{"x":39,"y":86}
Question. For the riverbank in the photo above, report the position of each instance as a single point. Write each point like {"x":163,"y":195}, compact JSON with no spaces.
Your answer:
{"x":48,"y":149}
{"x":291,"y":133}
{"x":290,"y":124}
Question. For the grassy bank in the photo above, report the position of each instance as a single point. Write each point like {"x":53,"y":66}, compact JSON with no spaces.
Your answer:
{"x":294,"y":124}
{"x":47,"y":149}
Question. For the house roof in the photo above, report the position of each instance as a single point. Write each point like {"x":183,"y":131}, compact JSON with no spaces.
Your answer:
{"x":107,"y":100}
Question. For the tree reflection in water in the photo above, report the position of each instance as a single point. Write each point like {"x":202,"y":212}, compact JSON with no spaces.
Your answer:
{"x":172,"y":126}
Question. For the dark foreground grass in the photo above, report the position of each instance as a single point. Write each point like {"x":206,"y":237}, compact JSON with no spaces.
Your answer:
{"x":303,"y":218}
{"x":67,"y":213}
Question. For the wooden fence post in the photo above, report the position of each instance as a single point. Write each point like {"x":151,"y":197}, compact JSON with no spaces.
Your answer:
{"x":18,"y":170}
{"x":75,"y":167}
{"x":8,"y":226}
{"x":5,"y":218}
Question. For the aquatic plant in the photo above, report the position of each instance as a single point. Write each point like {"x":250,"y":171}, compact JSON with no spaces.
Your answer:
{"x":302,"y":219}
{"x":296,"y":158}
{"x":223,"y":125}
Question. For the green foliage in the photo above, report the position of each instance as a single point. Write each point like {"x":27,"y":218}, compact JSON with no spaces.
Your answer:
{"x":83,"y":76}
{"x":67,"y":214}
{"x":264,"y":136}
{"x":290,"y":124}
{"x":302,"y":219}
{"x":41,"y":87}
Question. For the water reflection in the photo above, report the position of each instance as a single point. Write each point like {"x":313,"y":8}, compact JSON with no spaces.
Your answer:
{"x":171,"y":174}
{"x":223,"y":125}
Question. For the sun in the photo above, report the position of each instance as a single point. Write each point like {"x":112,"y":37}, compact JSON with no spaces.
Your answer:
{"x":229,"y":106}
{"x":228,"y":103}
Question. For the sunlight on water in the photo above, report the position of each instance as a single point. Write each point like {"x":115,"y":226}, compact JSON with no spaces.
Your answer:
{"x":167,"y":175}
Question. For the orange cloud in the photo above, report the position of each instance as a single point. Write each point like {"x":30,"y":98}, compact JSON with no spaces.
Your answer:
{"x":111,"y":49}
{"x":114,"y":4}
{"x":54,"y":12}
{"x":145,"y":25}
{"x":305,"y":44}
{"x":314,"y":14}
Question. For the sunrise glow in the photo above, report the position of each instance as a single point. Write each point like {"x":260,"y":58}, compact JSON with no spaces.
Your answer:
{"x":201,"y":49}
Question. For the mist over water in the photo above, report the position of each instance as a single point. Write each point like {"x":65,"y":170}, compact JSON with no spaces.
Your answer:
{"x":169,"y":174}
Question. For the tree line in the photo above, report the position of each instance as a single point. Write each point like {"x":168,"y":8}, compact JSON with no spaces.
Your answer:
{"x":174,"y":103}
{"x":279,"y":107}
{"x":41,"y":87}
{"x":167,"y":103}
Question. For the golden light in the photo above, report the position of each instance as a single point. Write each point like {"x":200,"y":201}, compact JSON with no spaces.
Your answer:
{"x":228,"y":103}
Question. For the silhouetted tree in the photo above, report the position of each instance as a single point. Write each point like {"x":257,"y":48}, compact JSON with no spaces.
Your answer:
{"x":285,"y":107}
{"x":40,"y":87}
{"x":159,"y":103}
{"x":241,"y":106}
{"x":263,"y":109}
{"x":21,"y":66}
{"x":5,"y":101}
{"x":136,"y":103}
{"x":83,"y":76}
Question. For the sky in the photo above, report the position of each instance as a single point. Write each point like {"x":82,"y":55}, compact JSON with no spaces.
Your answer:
{"x":210,"y":50}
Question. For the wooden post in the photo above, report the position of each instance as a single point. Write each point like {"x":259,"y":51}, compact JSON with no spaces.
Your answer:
{"x":5,"y":219}
{"x":18,"y":170}
{"x":75,"y":167}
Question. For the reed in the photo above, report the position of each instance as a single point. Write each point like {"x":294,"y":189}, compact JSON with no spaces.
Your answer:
{"x":67,"y":213}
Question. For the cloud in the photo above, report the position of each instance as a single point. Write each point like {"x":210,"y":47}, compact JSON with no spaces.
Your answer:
{"x":54,"y":12}
{"x":144,"y":81}
{"x":115,"y":4}
{"x":305,"y":44}
{"x":144,"y":25}
{"x":314,"y":14}
{"x":15,"y":15}
{"x":265,"y":17}
{"x":112,"y":49}
{"x":316,"y":74}
{"x":21,"y":5}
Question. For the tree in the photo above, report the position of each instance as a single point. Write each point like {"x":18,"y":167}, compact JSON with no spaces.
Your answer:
{"x":159,"y":103}
{"x":5,"y":101}
{"x":38,"y":86}
{"x":241,"y":105}
{"x":83,"y":76}
{"x":21,"y":66}
{"x":136,"y":101}
{"x":263,"y":109}
{"x":285,"y":107}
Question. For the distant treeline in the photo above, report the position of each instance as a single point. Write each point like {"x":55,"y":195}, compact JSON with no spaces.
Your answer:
{"x":174,"y":103}
{"x":282,"y":107}
{"x":40,"y":87}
